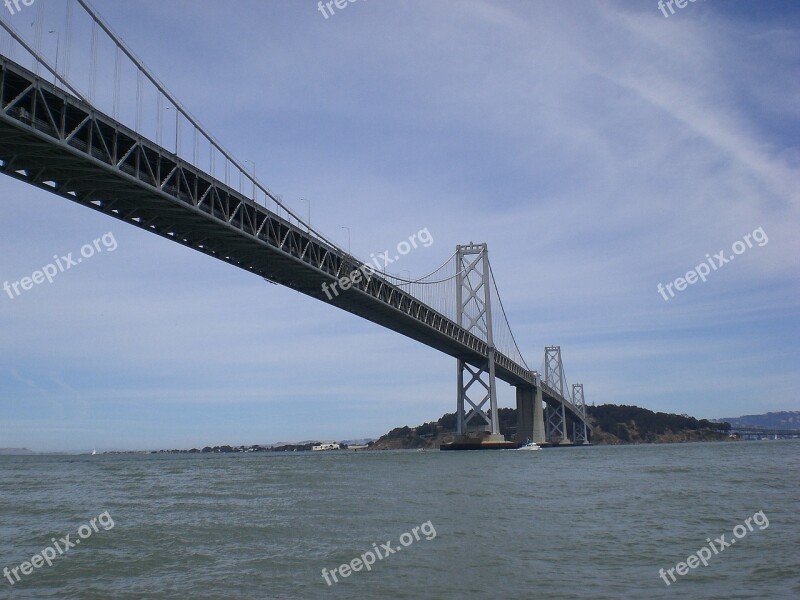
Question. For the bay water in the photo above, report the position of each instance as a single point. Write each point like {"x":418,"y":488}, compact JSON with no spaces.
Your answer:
{"x":587,"y":522}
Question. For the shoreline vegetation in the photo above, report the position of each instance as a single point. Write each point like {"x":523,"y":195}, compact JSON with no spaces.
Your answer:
{"x":613,"y":425}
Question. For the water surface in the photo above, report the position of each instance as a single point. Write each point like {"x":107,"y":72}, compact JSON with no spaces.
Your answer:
{"x":595,"y":522}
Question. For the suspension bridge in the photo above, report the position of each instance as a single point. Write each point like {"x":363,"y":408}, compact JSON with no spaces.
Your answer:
{"x":104,"y":147}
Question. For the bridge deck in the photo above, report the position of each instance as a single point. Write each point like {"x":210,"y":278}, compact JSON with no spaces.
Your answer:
{"x":54,"y":141}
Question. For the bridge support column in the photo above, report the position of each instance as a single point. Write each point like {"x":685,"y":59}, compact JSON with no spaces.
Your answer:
{"x":474,"y":313}
{"x":538,"y":417}
{"x":556,"y":422}
{"x":524,"y":414}
{"x":530,"y":416}
{"x":476,"y":390}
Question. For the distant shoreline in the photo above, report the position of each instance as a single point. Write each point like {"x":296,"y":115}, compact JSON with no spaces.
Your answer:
{"x":374,"y":448}
{"x":15,"y":452}
{"x":613,"y":425}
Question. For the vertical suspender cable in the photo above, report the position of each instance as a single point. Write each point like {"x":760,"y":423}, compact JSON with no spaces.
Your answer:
{"x":93,"y":64}
{"x":39,"y":31}
{"x":139,"y":102}
{"x":39,"y":58}
{"x":67,"y":38}
{"x":212,"y":155}
{"x":117,"y":76}
{"x":159,"y":117}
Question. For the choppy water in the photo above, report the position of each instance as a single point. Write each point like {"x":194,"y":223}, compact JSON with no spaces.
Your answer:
{"x":571,"y":523}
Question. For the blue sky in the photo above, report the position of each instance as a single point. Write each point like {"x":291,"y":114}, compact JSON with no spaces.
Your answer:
{"x":598,"y":148}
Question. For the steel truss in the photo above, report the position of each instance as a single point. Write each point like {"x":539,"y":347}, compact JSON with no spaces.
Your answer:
{"x":474,"y":314}
{"x":555,"y":417}
{"x":579,"y":433}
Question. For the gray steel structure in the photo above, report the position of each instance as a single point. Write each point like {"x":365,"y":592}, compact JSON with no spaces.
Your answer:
{"x":555,"y":415}
{"x":474,"y":307}
{"x":579,"y":434}
{"x":57,"y":141}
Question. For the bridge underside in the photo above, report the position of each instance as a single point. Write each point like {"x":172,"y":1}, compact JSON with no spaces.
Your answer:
{"x":29,"y":158}
{"x":56,"y":142}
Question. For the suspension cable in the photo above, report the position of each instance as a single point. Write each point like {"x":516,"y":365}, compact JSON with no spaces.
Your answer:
{"x":502,"y":308}
{"x":13,"y":33}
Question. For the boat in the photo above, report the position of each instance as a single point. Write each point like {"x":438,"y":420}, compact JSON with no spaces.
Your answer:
{"x":94,"y":451}
{"x":529,"y":445}
{"x":322,"y":447}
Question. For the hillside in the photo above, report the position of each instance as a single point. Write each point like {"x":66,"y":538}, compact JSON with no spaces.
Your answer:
{"x":770,"y":420}
{"x":613,"y":425}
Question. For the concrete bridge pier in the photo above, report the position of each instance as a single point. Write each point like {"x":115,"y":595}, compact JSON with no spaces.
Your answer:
{"x":530,"y":416}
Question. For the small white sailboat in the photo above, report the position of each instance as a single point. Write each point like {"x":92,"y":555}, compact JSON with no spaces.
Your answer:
{"x":94,"y":451}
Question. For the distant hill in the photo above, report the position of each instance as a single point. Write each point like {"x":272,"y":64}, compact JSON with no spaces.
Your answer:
{"x":618,"y":424}
{"x":770,"y":420}
{"x":16,"y":451}
{"x":613,"y":424}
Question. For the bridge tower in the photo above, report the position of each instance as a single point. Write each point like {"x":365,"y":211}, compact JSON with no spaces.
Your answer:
{"x":555,"y":418}
{"x":476,"y":386}
{"x":579,"y":429}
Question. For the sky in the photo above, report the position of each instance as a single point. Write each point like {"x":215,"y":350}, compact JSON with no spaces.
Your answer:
{"x":599,"y":149}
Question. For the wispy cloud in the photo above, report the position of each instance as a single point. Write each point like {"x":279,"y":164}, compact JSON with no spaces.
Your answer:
{"x":597,"y":147}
